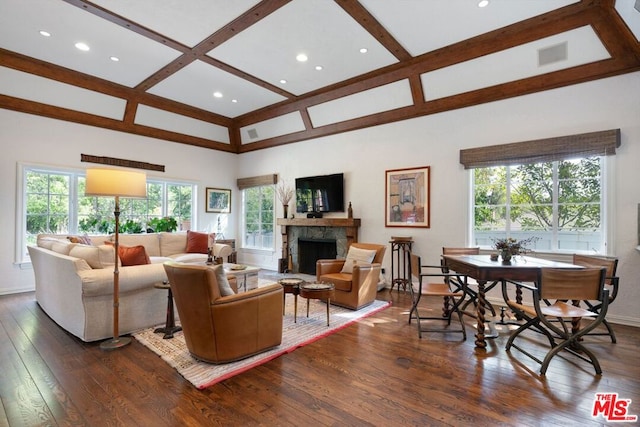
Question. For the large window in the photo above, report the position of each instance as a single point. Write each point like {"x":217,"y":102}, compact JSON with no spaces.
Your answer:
{"x":560,"y":202}
{"x":54,"y":202}
{"x":258,"y":217}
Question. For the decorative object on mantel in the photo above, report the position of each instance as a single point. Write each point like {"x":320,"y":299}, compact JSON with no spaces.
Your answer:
{"x":510,"y":247}
{"x":285,"y":194}
{"x":350,"y":211}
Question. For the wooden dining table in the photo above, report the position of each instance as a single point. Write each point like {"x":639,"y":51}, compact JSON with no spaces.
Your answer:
{"x":483,"y":270}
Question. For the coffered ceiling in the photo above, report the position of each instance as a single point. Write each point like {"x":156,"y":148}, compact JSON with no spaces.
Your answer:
{"x":226,"y":74}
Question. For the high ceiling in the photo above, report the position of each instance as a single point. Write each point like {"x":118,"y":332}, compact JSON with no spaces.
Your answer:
{"x":224,"y":75}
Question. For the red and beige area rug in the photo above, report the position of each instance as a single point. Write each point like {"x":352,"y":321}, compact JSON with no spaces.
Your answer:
{"x":304,"y":331}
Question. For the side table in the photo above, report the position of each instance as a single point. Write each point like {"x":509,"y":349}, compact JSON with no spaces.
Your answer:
{"x":322,"y":291}
{"x":291,"y":285}
{"x":170,"y":325}
{"x":400,"y":274}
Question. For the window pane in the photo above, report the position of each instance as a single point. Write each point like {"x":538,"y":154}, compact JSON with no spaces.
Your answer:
{"x":558,"y":202}
{"x":258,"y":203}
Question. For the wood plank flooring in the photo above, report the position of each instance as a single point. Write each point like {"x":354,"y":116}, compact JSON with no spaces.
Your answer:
{"x":376,"y":372}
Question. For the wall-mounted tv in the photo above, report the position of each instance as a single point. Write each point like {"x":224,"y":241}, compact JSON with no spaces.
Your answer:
{"x":323,"y":193}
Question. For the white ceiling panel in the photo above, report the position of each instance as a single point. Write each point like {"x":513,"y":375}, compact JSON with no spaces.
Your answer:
{"x":21,"y":21}
{"x":185,"y":21}
{"x":153,"y":117}
{"x":318,"y":28}
{"x":516,"y":63}
{"x":195,"y":84}
{"x":38,"y":89}
{"x":281,"y":125}
{"x":629,"y":10}
{"x":425,"y":25}
{"x":383,"y":98}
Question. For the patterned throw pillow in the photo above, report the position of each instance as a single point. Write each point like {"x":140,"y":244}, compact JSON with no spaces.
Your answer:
{"x":85,"y":240}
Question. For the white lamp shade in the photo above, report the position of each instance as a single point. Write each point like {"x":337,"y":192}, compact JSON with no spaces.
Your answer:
{"x":115,"y":182}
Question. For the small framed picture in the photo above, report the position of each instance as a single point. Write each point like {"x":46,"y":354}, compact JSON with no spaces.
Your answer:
{"x":407,"y":197}
{"x":218,"y":200}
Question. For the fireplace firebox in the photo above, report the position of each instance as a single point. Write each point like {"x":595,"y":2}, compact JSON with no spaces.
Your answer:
{"x":311,"y":250}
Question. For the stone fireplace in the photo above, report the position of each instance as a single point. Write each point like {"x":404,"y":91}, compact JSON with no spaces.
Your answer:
{"x":342,"y":231}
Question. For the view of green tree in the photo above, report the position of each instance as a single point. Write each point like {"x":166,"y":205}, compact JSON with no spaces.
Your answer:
{"x":259,"y":216}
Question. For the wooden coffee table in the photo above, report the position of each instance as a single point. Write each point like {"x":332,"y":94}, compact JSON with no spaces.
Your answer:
{"x":321,"y":291}
{"x":291,"y":285}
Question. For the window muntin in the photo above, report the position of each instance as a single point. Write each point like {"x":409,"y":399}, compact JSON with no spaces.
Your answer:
{"x":258,"y":217}
{"x":560,"y":202}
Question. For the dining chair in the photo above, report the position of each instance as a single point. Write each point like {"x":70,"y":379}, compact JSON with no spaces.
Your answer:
{"x":559,"y":286}
{"x":444,"y":288}
{"x":610,"y":282}
{"x":471,"y":292}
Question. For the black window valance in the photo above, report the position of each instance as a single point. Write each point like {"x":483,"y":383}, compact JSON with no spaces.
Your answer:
{"x":603,"y":143}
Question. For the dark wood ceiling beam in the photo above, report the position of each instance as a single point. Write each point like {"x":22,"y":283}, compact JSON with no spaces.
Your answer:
{"x":614,"y":33}
{"x":367,"y":21}
{"x":557,"y":21}
{"x":47,"y":70}
{"x":68,"y":115}
{"x":580,"y":74}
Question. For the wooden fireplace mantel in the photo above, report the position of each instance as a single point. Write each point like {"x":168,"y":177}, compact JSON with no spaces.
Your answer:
{"x":350,"y":225}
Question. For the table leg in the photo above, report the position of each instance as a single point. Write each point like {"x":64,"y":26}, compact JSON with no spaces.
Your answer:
{"x":480,"y":341}
{"x":295,"y":308}
{"x":328,"y":302}
{"x":170,"y":324}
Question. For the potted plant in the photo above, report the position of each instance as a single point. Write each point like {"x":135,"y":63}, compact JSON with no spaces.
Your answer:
{"x":157,"y":225}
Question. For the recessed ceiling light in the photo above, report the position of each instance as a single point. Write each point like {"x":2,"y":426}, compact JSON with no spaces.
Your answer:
{"x":82,"y":46}
{"x":364,"y":50}
{"x":114,"y":58}
{"x":319,"y":67}
{"x":235,"y":101}
{"x":217,"y":94}
{"x":45,"y":33}
{"x":483,"y":3}
{"x":283,"y":81}
{"x":302,"y":57}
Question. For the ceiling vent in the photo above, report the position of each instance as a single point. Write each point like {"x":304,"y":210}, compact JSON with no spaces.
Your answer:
{"x":551,"y":54}
{"x":253,"y":134}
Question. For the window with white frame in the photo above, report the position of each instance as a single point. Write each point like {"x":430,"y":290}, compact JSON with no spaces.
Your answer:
{"x":258,"y":217}
{"x":559,"y":202}
{"x":555,"y":189}
{"x":53,"y":201}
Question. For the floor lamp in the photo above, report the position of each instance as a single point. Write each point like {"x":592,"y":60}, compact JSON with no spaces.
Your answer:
{"x":116,"y":183}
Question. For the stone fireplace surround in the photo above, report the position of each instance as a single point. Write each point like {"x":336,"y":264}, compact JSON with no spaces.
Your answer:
{"x":343,"y":230}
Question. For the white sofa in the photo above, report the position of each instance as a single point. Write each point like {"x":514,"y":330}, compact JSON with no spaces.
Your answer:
{"x":74,"y":282}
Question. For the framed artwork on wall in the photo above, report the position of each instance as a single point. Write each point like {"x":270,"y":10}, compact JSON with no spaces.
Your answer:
{"x":407,"y":197}
{"x":218,"y":200}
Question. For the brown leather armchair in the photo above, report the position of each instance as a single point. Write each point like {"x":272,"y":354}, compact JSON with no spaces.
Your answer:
{"x":221,"y":329}
{"x":357,"y":289}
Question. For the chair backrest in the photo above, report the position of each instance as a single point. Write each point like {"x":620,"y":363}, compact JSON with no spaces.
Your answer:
{"x":414,"y":265}
{"x":569,"y":284}
{"x":380,"y":250}
{"x":611,"y":264}
{"x":460,"y":251}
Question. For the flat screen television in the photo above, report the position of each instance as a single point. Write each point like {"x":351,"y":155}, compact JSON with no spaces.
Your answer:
{"x":323,"y":193}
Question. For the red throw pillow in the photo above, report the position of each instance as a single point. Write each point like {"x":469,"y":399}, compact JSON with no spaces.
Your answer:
{"x":131,"y":255}
{"x":197,"y":243}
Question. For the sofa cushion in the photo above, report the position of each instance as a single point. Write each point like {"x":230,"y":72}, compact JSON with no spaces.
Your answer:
{"x":150,"y":241}
{"x":189,"y":258}
{"x":47,"y":242}
{"x":172,"y":243}
{"x":62,"y":247}
{"x":357,"y":256}
{"x":223,"y":283}
{"x":198,"y":242}
{"x":102,"y":256}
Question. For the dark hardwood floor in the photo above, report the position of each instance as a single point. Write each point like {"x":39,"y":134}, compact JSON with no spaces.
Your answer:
{"x":375,"y":372}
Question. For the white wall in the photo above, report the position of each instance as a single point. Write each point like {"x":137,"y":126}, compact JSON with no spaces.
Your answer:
{"x":363,"y":156}
{"x":31,"y":139}
{"x":436,"y":140}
